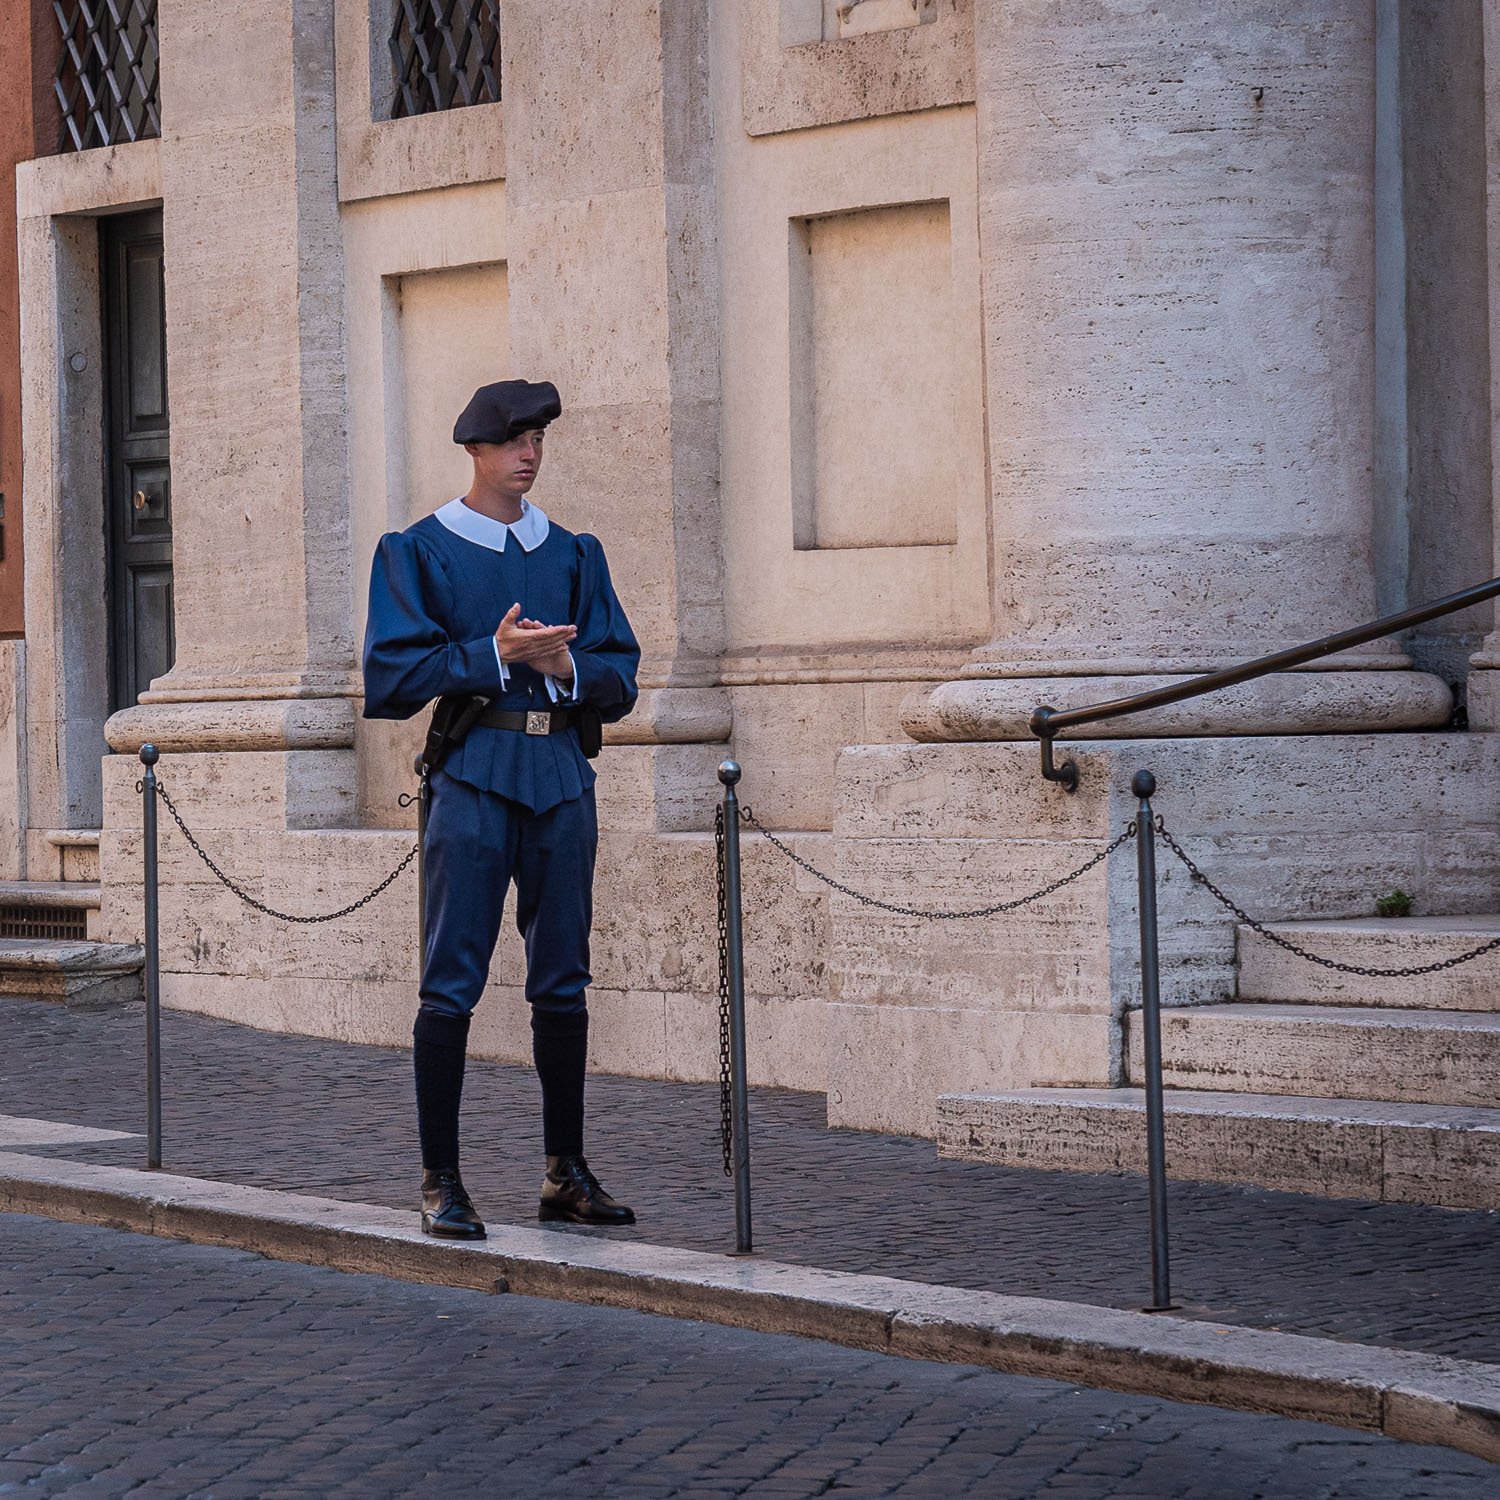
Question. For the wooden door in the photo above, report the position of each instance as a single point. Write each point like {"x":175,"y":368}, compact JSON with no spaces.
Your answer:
{"x":138,"y":497}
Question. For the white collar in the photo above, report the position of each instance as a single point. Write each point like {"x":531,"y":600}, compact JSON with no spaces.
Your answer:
{"x":462,"y":520}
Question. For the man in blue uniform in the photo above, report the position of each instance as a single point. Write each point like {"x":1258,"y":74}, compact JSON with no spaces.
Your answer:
{"x":490,"y":607}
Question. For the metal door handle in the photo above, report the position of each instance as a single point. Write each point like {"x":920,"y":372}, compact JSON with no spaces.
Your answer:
{"x":141,"y":500}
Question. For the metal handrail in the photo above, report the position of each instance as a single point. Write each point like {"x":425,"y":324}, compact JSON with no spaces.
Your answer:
{"x":1047,"y":723}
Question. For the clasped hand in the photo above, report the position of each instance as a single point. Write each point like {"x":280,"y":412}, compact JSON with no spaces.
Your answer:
{"x":542,"y":647}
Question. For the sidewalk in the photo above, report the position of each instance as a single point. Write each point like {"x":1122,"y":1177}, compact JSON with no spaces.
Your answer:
{"x":328,"y":1119}
{"x":147,"y":1367}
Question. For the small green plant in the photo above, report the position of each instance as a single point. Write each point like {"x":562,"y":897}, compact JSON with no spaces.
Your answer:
{"x":1396,"y":904}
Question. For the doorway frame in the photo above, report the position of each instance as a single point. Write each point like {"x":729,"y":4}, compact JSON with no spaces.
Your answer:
{"x":65,"y":700}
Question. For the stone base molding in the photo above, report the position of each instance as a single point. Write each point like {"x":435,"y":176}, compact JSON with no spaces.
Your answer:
{"x":1483,"y":692}
{"x":234,"y":724}
{"x":1290,"y":703}
{"x":675,"y":716}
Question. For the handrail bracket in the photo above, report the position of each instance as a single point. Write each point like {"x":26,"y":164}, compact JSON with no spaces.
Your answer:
{"x":1066,"y":774}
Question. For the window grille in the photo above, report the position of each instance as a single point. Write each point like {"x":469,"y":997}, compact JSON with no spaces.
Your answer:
{"x":106,"y":78}
{"x":446,"y":54}
{"x":54,"y":922}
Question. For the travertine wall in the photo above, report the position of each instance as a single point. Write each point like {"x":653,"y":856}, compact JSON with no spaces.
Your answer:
{"x":899,"y":404}
{"x":655,"y":943}
{"x":615,"y":281}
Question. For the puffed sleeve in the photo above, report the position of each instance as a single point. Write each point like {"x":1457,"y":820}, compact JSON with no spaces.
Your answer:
{"x":605,"y":653}
{"x":409,"y":657}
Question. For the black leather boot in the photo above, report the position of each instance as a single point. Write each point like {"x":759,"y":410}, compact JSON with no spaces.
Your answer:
{"x":570,"y":1191}
{"x":446,"y":1209}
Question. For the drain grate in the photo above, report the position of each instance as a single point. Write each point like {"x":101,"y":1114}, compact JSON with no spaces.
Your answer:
{"x":55,"y":922}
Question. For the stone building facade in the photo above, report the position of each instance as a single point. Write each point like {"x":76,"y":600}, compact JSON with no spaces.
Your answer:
{"x":923,"y":361}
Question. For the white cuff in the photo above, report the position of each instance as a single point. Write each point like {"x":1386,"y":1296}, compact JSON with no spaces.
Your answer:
{"x":555,"y":690}
{"x":504,"y":670}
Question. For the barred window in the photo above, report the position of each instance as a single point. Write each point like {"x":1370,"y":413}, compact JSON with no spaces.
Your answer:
{"x":106,"y":79}
{"x":446,"y":54}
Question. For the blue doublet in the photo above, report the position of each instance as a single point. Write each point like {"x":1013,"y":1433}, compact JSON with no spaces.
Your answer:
{"x":506,"y":805}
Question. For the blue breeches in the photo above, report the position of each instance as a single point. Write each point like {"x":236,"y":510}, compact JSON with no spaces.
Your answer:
{"x":477,"y":844}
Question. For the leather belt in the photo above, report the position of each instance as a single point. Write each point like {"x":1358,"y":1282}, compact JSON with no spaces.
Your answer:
{"x":528,"y":721}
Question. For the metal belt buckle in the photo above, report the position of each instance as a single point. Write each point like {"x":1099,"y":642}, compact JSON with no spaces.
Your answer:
{"x":538,"y":722}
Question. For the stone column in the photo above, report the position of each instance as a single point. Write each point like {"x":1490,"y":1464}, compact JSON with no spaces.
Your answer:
{"x":614,"y":296}
{"x":1177,"y":230}
{"x":1484,"y":674}
{"x":254,"y":283}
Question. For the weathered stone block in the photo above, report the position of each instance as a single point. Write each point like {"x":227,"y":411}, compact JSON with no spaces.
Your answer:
{"x":1402,"y":1153}
{"x":787,"y":739}
{"x":659,"y":788}
{"x":1339,"y":1052}
{"x":1268,"y":972}
{"x":792,"y":79}
{"x":605,"y":62}
{"x":785,"y":1040}
{"x":887,"y":1064}
{"x":294,"y":789}
{"x":999,"y":708}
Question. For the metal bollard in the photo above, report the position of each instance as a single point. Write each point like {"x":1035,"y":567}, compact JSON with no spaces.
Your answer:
{"x":729,"y":774}
{"x":149,"y":757}
{"x":1143,"y":786}
{"x":424,"y":797}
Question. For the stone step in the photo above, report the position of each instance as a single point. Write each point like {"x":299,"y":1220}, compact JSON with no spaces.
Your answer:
{"x":1328,"y":1051}
{"x":76,"y":973}
{"x":1337,"y":1148}
{"x":77,"y":852}
{"x":73,"y":894}
{"x":64,"y":911}
{"x":1269,"y":972}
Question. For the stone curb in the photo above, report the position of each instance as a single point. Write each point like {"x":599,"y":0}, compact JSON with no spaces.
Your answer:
{"x":1418,"y":1398}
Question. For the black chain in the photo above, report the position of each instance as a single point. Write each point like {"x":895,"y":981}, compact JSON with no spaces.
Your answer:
{"x":942,"y":916}
{"x":248,"y":899}
{"x":726,"y":1108}
{"x":1281,"y":942}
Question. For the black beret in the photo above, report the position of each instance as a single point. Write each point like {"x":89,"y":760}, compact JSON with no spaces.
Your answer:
{"x":496,"y":413}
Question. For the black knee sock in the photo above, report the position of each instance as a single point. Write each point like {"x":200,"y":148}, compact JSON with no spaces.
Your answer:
{"x":438,"y":1045}
{"x":560,"y":1044}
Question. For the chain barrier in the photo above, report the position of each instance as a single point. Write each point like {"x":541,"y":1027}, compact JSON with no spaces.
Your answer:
{"x":726,"y":1102}
{"x":1364,"y":971}
{"x":260,"y":906}
{"x":993,"y":910}
{"x":726,"y":1118}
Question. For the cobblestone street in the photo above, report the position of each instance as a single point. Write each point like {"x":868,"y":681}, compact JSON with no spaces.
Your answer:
{"x":137,"y":1366}
{"x":325,"y":1118}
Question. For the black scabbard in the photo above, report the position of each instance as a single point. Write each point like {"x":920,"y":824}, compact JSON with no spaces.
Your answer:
{"x":453,"y":717}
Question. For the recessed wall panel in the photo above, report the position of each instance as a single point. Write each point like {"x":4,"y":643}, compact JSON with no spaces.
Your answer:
{"x":874,"y":423}
{"x":453,"y":335}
